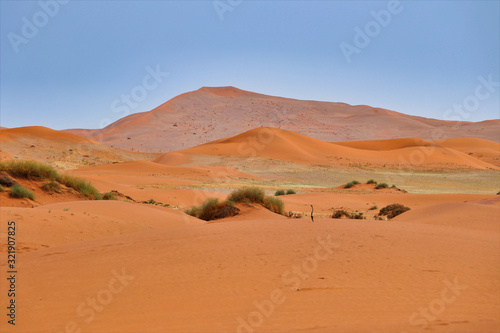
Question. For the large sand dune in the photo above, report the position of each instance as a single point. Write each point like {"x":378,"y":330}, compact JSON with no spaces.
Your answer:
{"x":211,"y":113}
{"x":284,"y":145}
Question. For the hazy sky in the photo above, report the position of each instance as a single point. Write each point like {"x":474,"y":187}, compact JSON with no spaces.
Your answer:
{"x":69,"y":64}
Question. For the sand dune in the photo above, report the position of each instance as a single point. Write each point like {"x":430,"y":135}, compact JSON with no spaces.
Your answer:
{"x":61,"y":149}
{"x":289,"y":146}
{"x":194,"y":118}
{"x":220,"y":277}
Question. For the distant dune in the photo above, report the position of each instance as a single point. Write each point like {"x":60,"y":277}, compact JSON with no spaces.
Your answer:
{"x":209,"y":114}
{"x":62,"y":149}
{"x":288,"y":146}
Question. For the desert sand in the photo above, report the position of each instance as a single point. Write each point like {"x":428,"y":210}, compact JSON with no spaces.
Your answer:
{"x":141,"y":264}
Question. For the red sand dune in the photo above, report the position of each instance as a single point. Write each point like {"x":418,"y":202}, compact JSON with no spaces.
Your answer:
{"x":62,"y":149}
{"x":211,"y":113}
{"x":293,"y":147}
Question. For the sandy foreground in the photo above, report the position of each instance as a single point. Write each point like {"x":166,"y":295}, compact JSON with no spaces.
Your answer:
{"x":131,"y":266}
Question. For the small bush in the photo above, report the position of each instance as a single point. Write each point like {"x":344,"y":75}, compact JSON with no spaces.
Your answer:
{"x":82,"y":186}
{"x":17,"y":191}
{"x":275,"y":205}
{"x":2,"y":189}
{"x":373,"y":207}
{"x":252,"y":194}
{"x":51,"y":187}
{"x":351,"y":184}
{"x":212,"y":209}
{"x":381,"y":185}
{"x":290,"y":191}
{"x":30,"y":170}
{"x":279,"y":192}
{"x":109,"y":196}
{"x":371,"y":181}
{"x":393,"y":210}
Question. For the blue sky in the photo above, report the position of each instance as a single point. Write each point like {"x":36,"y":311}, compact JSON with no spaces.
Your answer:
{"x":68,"y":64}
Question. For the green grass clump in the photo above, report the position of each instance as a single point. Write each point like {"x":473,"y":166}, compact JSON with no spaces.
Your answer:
{"x":17,"y":191}
{"x":351,"y":184}
{"x":81,"y":185}
{"x":212,"y":209}
{"x":290,"y":192}
{"x":252,"y":194}
{"x":275,"y":205}
{"x":279,"y":192}
{"x":51,"y":187}
{"x":393,"y":210}
{"x":109,"y":196}
{"x":2,"y":189}
{"x":30,"y":170}
{"x":373,"y":207}
{"x":381,"y":185}
{"x":371,"y":181}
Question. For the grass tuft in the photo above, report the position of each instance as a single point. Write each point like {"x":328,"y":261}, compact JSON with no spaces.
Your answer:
{"x":252,"y":194}
{"x":109,"y":196}
{"x":381,"y":185}
{"x":30,"y":170}
{"x":51,"y":187}
{"x":81,"y":185}
{"x":212,"y":209}
{"x":19,"y":192}
{"x":371,"y":181}
{"x":290,"y":191}
{"x":275,"y":205}
{"x":279,"y":192}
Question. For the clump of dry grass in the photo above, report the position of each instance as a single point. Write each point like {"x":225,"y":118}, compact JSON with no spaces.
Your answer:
{"x":393,"y":210}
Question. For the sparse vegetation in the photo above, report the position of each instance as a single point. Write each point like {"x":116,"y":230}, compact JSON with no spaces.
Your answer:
{"x":290,"y":191}
{"x":252,"y":194}
{"x":30,"y":170}
{"x":337,"y":214}
{"x":279,"y":192}
{"x":153,"y":202}
{"x":2,"y":189}
{"x":212,"y":209}
{"x":381,"y":185}
{"x":373,"y":207}
{"x":275,"y":205}
{"x":109,"y":196}
{"x":351,"y":184}
{"x":51,"y":187}
{"x":19,"y":192}
{"x":371,"y":181}
{"x":393,"y":210}
{"x":81,"y":185}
